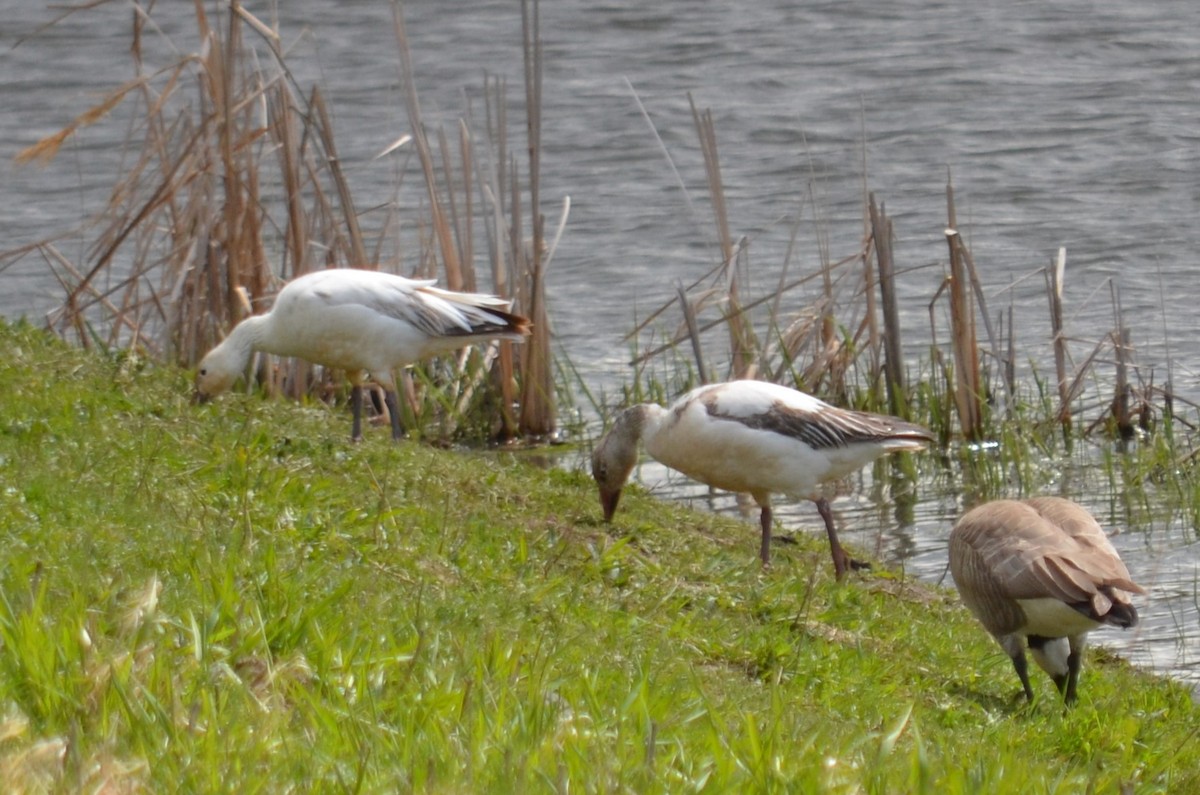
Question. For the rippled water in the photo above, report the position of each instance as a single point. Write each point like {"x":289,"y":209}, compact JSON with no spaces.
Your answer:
{"x":1064,"y":124}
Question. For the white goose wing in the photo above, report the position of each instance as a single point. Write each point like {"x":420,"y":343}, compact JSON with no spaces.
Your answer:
{"x":433,"y":311}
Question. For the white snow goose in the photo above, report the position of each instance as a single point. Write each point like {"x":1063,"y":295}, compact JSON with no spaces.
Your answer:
{"x":368,"y":323}
{"x":1040,"y":571}
{"x":753,"y":437}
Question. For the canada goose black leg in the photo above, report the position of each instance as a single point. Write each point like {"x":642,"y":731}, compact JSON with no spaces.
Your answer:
{"x":1022,"y":666}
{"x":1074,"y":663}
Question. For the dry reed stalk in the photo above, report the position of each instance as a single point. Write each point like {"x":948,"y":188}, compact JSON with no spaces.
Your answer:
{"x":181,"y":239}
{"x":492,"y":178}
{"x":441,"y":228}
{"x":538,"y":413}
{"x":682,"y":336}
{"x":1121,"y":398}
{"x":1054,"y":290}
{"x":870,"y":275}
{"x":291,"y":157}
{"x":741,"y":353}
{"x":966,"y":355}
{"x":689,"y":317}
{"x":893,"y":361}
{"x":358,"y":250}
{"x":1010,"y":359}
{"x":993,"y":340}
{"x":465,"y":231}
{"x":828,"y":321}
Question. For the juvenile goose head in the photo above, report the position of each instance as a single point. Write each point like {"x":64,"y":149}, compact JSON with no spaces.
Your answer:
{"x":616,"y":455}
{"x":1041,"y":571}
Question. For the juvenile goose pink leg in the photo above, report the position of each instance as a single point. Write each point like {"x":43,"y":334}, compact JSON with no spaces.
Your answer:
{"x":764,"y":551}
{"x":841,"y":561}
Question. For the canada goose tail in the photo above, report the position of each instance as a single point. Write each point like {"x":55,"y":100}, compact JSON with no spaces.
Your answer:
{"x":1121,"y":614}
{"x":1109,"y":606}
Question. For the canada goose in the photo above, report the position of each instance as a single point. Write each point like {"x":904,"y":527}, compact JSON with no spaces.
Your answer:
{"x":1040,"y":570}
{"x":363,"y":322}
{"x":753,"y":437}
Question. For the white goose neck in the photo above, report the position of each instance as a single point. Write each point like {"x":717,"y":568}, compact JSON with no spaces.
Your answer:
{"x":252,"y":334}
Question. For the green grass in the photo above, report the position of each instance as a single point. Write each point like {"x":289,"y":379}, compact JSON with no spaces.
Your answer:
{"x":233,"y":598}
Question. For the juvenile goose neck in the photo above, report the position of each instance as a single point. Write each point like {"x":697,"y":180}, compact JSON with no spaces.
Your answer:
{"x":616,"y":454}
{"x":644,"y":421}
{"x":625,"y":434}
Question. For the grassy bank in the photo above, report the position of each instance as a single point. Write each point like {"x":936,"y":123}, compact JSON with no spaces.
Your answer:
{"x":234,"y":598}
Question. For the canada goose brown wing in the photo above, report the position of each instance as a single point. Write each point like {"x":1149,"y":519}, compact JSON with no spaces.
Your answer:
{"x":981,"y":590}
{"x":1025,"y":554}
{"x":1095,"y":554}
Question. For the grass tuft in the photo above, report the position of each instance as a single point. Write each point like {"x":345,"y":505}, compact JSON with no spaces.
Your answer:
{"x":233,"y":598}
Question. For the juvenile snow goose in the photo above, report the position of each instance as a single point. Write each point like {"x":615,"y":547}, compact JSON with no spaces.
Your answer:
{"x":1040,"y":571}
{"x":368,"y":323}
{"x":753,"y":437}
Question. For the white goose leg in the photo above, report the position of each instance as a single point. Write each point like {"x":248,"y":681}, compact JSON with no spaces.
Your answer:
{"x":356,"y":404}
{"x":393,"y":407}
